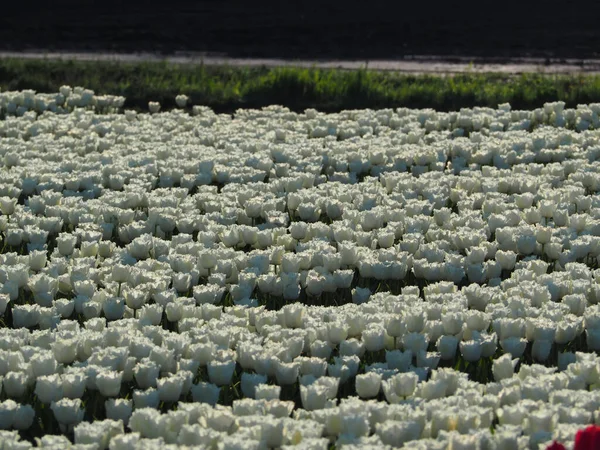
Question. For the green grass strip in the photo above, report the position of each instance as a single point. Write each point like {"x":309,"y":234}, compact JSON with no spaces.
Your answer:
{"x":226,"y":89}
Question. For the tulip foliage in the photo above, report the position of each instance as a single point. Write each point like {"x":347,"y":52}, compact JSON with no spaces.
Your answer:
{"x":271,"y":279}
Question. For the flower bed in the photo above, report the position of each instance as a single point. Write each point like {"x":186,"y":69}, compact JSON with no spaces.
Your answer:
{"x":271,"y":279}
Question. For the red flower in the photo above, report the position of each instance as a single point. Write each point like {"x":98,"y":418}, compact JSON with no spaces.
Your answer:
{"x":556,"y":446}
{"x":588,"y":438}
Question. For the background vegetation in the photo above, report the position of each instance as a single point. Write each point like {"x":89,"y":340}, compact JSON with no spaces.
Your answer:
{"x":226,"y":89}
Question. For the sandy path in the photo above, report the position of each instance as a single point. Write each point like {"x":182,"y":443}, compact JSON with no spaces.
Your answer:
{"x":416,"y":64}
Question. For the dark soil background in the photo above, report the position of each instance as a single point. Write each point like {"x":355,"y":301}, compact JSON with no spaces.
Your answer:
{"x":309,"y":29}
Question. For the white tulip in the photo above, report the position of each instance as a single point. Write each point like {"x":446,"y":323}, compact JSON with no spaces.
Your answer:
{"x":447,"y":345}
{"x":541,"y":421}
{"x":452,"y":323}
{"x":312,"y":366}
{"x":50,"y":440}
{"x":64,"y":307}
{"x":514,"y":345}
{"x":360,"y":295}
{"x":286,"y":373}
{"x":503,"y":367}
{"x":16,"y":383}
{"x":8,"y":410}
{"x":400,"y":386}
{"x":145,"y":421}
{"x":114,"y":308}
{"x":7,"y":205}
{"x":74,"y":384}
{"x":48,"y":388}
{"x":135,"y":298}
{"x":396,"y":433}
{"x":153,"y":107}
{"x":43,"y":363}
{"x":65,"y":350}
{"x":206,"y":393}
{"x":267,"y":392}
{"x":108,"y":383}
{"x":170,"y":388}
{"x":471,"y":350}
{"x":24,"y":417}
{"x":181,"y":100}
{"x":67,"y":411}
{"x":209,"y":293}
{"x":368,"y":385}
{"x":119,"y":409}
{"x":313,"y":397}
{"x":415,"y":342}
{"x":374,"y":338}
{"x":428,"y":360}
{"x":250,"y":382}
{"x":395,"y":325}
{"x":507,"y":259}
{"x":352,"y":347}
{"x":320,"y":349}
{"x":339,"y":370}
{"x":293,"y":315}
{"x":221,"y":372}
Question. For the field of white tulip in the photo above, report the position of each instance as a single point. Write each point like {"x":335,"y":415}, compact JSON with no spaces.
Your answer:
{"x":272,"y":279}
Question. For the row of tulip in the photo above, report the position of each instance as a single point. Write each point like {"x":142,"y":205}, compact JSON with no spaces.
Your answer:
{"x":530,"y":408}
